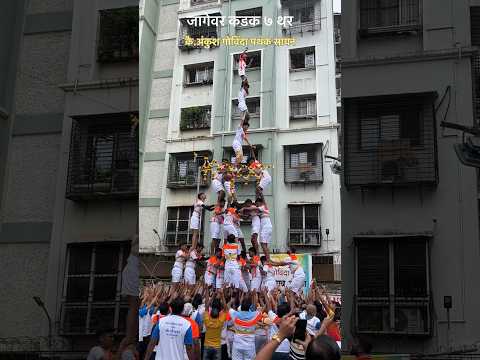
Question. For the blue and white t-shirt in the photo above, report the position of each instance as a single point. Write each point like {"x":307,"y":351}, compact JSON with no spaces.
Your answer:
{"x":173,"y":332}
{"x":313,"y":323}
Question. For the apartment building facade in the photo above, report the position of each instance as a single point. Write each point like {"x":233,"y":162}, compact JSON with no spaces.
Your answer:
{"x":193,"y":114}
{"x":70,"y":181}
{"x":410,"y":238}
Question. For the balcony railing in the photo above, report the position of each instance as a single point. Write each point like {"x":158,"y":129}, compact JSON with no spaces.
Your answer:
{"x":305,"y":237}
{"x":195,"y":118}
{"x":103,"y":159}
{"x":393,"y":315}
{"x":201,"y":2}
{"x":303,"y":27}
{"x":303,"y":171}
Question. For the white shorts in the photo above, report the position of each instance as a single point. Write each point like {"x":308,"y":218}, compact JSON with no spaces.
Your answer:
{"x":195,"y":221}
{"x":239,"y":232}
{"x":219,"y":281}
{"x":215,"y":230}
{"x":209,"y":278}
{"x":266,"y":234}
{"x":229,"y":188}
{"x":176,"y":274}
{"x":242,"y":284}
{"x":237,"y":147}
{"x":190,"y":277}
{"x":256,"y":283}
{"x":255,"y":225}
{"x":217,"y":185}
{"x":296,"y":284}
{"x":131,"y":276}
{"x":264,"y":182}
{"x":229,"y":229}
{"x":232,"y":277}
{"x":270,"y":285}
{"x":241,"y":72}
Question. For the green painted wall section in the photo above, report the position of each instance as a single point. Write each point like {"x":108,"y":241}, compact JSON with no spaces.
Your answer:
{"x":163,"y":74}
{"x":149,"y":202}
{"x":154,"y":156}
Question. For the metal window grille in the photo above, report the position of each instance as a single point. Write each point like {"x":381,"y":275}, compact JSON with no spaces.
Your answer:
{"x":198,"y":74}
{"x":303,"y":164}
{"x":183,"y":170}
{"x":303,"y":58}
{"x":103,"y":158}
{"x":196,"y":32}
{"x":304,"y":227}
{"x":195,"y":118}
{"x":390,"y":140}
{"x":386,"y":15}
{"x":253,"y":105}
{"x":475,"y":39}
{"x":178,"y":226}
{"x":303,"y":107}
{"x":201,"y":2}
{"x":392,"y":289}
{"x":254,"y":58}
{"x":118,"y":35}
{"x":249,"y":12}
{"x":92,"y":288}
{"x":306,"y":18}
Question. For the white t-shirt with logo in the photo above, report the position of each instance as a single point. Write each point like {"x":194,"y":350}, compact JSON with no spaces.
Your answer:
{"x":313,"y":324}
{"x":173,"y":332}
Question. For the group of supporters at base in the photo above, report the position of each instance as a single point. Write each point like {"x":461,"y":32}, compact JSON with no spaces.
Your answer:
{"x":180,"y":322}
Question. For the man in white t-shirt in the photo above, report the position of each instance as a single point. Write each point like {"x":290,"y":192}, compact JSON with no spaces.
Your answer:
{"x":173,"y":334}
{"x":313,"y":322}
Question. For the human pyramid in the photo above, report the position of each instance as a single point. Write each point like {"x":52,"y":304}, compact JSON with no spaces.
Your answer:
{"x":236,"y":307}
{"x":230,"y":264}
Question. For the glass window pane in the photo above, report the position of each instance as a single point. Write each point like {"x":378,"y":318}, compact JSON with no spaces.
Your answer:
{"x":79,"y":260}
{"x":172,"y":213}
{"x":171,"y":226}
{"x":184,"y":213}
{"x":296,"y":217}
{"x":106,"y":259}
{"x":77,"y":289}
{"x":373,"y":318}
{"x":105,"y":288}
{"x":373,"y":267}
{"x":410,"y":268}
{"x":183,"y":225}
{"x":102,"y":318}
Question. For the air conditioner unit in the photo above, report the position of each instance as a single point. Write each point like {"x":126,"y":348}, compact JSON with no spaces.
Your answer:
{"x":409,"y":320}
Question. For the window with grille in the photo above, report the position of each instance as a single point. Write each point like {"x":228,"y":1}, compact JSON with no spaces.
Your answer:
{"x":304,"y":226}
{"x":198,"y":74}
{"x":254,"y":60}
{"x":303,"y":164}
{"x":302,"y":14}
{"x":178,"y":228}
{"x":118,"y":35}
{"x":303,"y":58}
{"x":103,"y":158}
{"x":253,"y":105}
{"x":92,"y":288}
{"x":302,"y":107}
{"x":390,"y":140}
{"x":392,"y":295}
{"x":196,"y":32}
{"x":195,"y":118}
{"x":389,"y":15}
{"x":475,"y":40}
{"x":249,"y":12}
{"x":183,"y":170}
